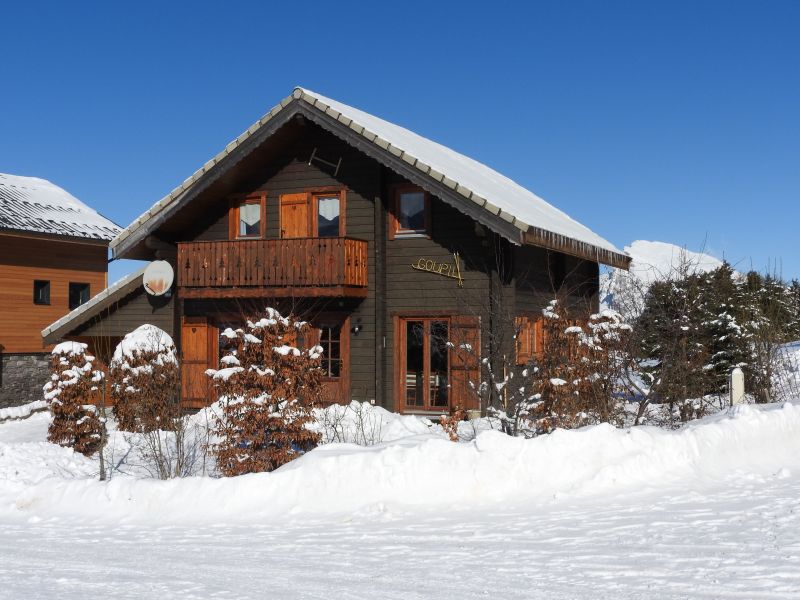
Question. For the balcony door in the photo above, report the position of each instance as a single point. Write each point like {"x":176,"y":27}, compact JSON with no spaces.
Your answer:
{"x":295,"y":216}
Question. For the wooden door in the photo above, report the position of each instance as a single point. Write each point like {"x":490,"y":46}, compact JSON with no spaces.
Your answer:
{"x":332,"y":333}
{"x":199,"y":343}
{"x":295,"y":216}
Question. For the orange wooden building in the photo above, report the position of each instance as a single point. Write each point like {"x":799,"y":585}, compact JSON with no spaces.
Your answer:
{"x":53,"y":258}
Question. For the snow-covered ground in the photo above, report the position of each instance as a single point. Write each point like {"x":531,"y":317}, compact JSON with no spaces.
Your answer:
{"x":709,"y":511}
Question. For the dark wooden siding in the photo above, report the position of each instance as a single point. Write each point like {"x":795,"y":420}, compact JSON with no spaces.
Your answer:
{"x":411,"y":292}
{"x":540,"y":275}
{"x":132,"y":311}
{"x":361,"y":176}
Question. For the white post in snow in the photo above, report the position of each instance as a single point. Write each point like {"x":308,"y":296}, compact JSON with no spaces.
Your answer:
{"x":737,"y":386}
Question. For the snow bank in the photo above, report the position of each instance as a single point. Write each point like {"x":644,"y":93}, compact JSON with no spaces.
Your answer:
{"x":420,"y":472}
{"x":23,"y":411}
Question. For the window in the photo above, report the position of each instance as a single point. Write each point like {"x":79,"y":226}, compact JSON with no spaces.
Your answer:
{"x":78,"y":294}
{"x":41,"y":292}
{"x":411,"y":215}
{"x":249,"y":220}
{"x":328,"y":215}
{"x":246,"y":218}
{"x":330,"y":338}
{"x":425,"y":363}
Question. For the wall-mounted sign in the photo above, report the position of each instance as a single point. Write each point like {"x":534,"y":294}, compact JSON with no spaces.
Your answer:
{"x":158,"y":278}
{"x":451,"y":270}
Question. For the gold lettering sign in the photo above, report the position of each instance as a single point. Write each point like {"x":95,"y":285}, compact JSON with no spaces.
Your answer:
{"x":451,"y":270}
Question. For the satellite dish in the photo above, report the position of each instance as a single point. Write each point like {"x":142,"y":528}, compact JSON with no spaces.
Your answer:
{"x":158,"y":278}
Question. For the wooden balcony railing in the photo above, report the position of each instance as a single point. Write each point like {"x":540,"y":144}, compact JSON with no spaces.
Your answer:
{"x":298,"y":266}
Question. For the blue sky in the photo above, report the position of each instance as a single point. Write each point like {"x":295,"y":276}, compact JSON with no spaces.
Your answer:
{"x":670,"y":121}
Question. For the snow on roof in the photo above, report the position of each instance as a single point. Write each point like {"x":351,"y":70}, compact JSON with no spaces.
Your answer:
{"x":36,"y":205}
{"x":469,"y":178}
{"x":525,"y":206}
{"x":120,"y":288}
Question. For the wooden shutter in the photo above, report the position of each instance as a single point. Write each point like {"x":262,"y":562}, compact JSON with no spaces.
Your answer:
{"x":530,"y":340}
{"x":465,"y":361}
{"x":199,"y":350}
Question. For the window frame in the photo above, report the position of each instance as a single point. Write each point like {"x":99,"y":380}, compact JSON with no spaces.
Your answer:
{"x":48,"y":286}
{"x":395,"y":231}
{"x":314,"y":194}
{"x":69,"y":293}
{"x":401,"y":390}
{"x":236,"y":203}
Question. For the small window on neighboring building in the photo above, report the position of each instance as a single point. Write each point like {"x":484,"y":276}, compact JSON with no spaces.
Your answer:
{"x":78,"y":294}
{"x":41,"y":292}
{"x":411,"y":212}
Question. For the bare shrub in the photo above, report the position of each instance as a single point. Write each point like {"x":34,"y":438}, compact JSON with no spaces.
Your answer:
{"x":450,"y":422}
{"x":71,"y":394}
{"x":355,"y":423}
{"x":268,"y":385}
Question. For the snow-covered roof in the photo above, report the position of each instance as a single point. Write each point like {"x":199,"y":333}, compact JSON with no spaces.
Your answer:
{"x":84,"y":312}
{"x":536,"y":220}
{"x":38,"y":206}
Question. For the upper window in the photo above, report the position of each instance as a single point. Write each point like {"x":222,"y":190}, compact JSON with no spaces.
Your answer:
{"x":411,"y":212}
{"x":250,"y":220}
{"x":78,"y":294}
{"x":328,"y":215}
{"x":247,"y":217}
{"x":41,"y":292}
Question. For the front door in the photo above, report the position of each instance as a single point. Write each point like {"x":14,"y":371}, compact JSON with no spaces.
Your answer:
{"x":199,"y":340}
{"x":295,"y":217}
{"x":424,"y":364}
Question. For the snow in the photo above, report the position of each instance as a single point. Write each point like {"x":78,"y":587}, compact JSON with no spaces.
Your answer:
{"x":69,"y":348}
{"x":37,"y":205}
{"x":23,"y":411}
{"x":709,"y":511}
{"x":145,"y":338}
{"x":652,"y":261}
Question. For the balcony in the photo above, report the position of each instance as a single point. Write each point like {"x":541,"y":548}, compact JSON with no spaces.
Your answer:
{"x":297,"y":267}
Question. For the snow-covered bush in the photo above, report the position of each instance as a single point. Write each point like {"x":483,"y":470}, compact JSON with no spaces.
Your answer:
{"x":71,"y":394}
{"x":269,"y":384}
{"x":145,"y":381}
{"x":575,"y":379}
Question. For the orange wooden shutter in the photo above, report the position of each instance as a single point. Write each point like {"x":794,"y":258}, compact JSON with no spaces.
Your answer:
{"x":465,"y":361}
{"x":524,"y":342}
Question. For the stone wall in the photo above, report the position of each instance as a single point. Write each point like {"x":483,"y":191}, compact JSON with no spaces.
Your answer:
{"x":22,"y":377}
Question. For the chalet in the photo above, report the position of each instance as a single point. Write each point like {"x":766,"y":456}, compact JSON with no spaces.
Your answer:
{"x":53,"y":257}
{"x":398,"y":249}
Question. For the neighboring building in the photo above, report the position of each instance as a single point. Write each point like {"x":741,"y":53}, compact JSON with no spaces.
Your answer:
{"x":399,"y":251}
{"x":53,"y":257}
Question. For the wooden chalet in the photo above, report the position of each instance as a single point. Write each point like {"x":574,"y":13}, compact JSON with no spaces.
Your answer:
{"x":53,"y":258}
{"x":399,"y":250}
